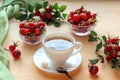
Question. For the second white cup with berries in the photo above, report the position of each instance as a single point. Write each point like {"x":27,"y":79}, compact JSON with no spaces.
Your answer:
{"x":81,"y":22}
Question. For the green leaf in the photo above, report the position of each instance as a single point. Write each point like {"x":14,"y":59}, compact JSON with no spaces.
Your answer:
{"x":64,"y":15}
{"x":55,"y":6}
{"x":20,"y":16}
{"x":105,"y":52}
{"x":113,"y":63}
{"x":30,"y":8}
{"x":93,"y":33}
{"x":62,"y":8}
{"x":101,"y":57}
{"x":104,"y":38}
{"x":94,"y":61}
{"x":38,"y":6}
{"x":92,"y":38}
{"x":57,"y":24}
{"x":57,"y":14}
{"x":45,"y":4}
{"x":23,"y":10}
{"x":99,"y":46}
{"x":30,"y":16}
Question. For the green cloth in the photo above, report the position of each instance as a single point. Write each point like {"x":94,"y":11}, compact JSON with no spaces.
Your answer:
{"x":4,"y":61}
{"x":4,"y":73}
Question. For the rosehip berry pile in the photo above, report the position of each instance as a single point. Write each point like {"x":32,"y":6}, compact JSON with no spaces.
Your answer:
{"x":81,"y":20}
{"x":32,"y":32}
{"x":112,"y":51}
{"x":52,"y":13}
{"x":111,"y":47}
{"x":46,"y":15}
{"x":15,"y":52}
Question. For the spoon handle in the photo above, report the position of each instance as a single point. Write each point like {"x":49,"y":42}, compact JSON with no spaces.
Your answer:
{"x":68,"y":76}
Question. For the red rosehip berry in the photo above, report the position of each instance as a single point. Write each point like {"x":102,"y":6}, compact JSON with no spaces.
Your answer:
{"x":31,"y":26}
{"x":108,"y":57}
{"x":22,"y":24}
{"x":37,"y":13}
{"x":37,"y":31}
{"x":16,"y":54}
{"x":114,"y":40}
{"x":114,"y":55}
{"x":76,"y":18}
{"x":83,"y":16}
{"x":108,"y":48}
{"x":94,"y":15}
{"x":72,"y":13}
{"x":48,"y":10}
{"x":70,"y":20}
{"x":88,"y":13}
{"x":27,"y":31}
{"x":40,"y":24}
{"x":93,"y":69}
{"x":117,"y":48}
{"x":43,"y":16}
{"x":12,"y":47}
{"x":22,"y":31}
{"x":49,"y":16}
{"x":108,"y":41}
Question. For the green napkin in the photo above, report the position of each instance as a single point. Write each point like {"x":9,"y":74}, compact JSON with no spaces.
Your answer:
{"x":4,"y":73}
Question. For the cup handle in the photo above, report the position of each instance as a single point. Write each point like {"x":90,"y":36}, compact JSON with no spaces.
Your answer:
{"x":78,"y":46}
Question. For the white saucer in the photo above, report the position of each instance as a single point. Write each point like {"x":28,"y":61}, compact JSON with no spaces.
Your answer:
{"x":42,"y":62}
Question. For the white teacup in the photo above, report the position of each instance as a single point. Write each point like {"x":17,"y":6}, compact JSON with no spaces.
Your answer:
{"x":59,"y":47}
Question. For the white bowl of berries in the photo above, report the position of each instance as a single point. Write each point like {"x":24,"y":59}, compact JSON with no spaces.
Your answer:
{"x":81,"y":22}
{"x":32,"y":32}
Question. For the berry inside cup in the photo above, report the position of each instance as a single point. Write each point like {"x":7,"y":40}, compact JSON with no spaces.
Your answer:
{"x":32,"y":32}
{"x":81,"y":21}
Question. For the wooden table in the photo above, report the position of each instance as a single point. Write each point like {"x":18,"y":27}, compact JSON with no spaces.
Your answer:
{"x":108,"y":23}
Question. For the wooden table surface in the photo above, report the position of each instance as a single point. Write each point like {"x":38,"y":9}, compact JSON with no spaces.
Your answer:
{"x":108,"y":23}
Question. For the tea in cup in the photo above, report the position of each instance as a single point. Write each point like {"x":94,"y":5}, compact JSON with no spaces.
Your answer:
{"x":59,"y":47}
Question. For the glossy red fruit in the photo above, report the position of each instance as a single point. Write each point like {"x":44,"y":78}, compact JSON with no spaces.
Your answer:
{"x":70,"y":20}
{"x":37,"y":13}
{"x":72,"y":13}
{"x":114,"y":55}
{"x":114,"y":40}
{"x":12,"y":47}
{"x":22,"y":31}
{"x":94,"y":15}
{"x":16,"y":54}
{"x":22,"y":24}
{"x":31,"y":26}
{"x":37,"y":31}
{"x":43,"y":16}
{"x":88,"y":13}
{"x":40,"y":24}
{"x":49,"y":16}
{"x":27,"y":32}
{"x":108,"y":57}
{"x":93,"y":69}
{"x":48,"y":10}
{"x":76,"y":18}
{"x":83,"y":16}
{"x":108,"y":48}
{"x":117,"y":48}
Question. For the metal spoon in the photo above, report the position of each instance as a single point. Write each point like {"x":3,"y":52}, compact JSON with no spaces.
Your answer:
{"x":62,"y":70}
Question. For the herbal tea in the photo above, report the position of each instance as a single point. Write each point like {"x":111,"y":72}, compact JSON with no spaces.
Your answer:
{"x":59,"y":44}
